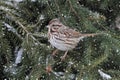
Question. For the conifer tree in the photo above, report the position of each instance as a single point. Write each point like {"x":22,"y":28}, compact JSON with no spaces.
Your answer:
{"x":25,"y":52}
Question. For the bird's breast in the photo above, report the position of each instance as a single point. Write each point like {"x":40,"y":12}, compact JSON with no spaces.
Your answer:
{"x":63,"y":43}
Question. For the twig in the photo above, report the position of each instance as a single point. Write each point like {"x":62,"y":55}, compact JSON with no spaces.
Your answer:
{"x":59,"y":11}
{"x":73,"y":10}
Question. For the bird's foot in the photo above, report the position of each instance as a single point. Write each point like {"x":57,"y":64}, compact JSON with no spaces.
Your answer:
{"x":64,"y":56}
{"x":54,"y":52}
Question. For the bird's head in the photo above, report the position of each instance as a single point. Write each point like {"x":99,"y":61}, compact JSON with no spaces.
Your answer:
{"x":54,"y":24}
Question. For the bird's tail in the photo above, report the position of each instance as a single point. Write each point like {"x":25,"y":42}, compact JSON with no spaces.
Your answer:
{"x":89,"y":35}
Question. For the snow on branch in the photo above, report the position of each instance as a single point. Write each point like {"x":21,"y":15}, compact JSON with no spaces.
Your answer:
{"x":9,"y":27}
{"x":104,"y":75}
{"x":19,"y":56}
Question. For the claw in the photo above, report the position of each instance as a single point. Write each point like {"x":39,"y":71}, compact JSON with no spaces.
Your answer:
{"x":54,"y":52}
{"x":64,"y":56}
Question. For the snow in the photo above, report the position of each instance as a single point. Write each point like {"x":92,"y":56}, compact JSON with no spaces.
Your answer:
{"x":12,"y":69}
{"x":18,"y":0}
{"x":104,"y":75}
{"x":10,"y":28}
{"x":27,"y":77}
{"x":72,"y":76}
{"x":58,"y":73}
{"x":33,"y":0}
{"x":98,"y":0}
{"x":36,"y":43}
{"x":70,"y":63}
{"x":89,"y":64}
{"x":16,"y":49}
{"x":19,"y":56}
{"x":117,"y":50}
{"x":41,"y":17}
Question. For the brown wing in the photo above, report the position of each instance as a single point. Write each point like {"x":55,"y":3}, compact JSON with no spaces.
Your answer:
{"x":69,"y":33}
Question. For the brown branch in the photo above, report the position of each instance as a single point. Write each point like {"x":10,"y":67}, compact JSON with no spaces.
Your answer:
{"x":73,"y":10}
{"x":50,"y":8}
{"x":59,"y":11}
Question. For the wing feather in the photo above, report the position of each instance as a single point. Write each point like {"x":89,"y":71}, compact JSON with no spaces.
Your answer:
{"x":69,"y":33}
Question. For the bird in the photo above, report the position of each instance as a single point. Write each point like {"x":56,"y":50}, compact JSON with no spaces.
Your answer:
{"x":64,"y":38}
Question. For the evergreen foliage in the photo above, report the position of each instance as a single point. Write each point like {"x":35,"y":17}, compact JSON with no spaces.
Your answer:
{"x":22,"y":26}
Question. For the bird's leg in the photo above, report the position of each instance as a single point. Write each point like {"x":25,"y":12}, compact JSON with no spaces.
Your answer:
{"x":63,"y":57}
{"x":54,"y":52}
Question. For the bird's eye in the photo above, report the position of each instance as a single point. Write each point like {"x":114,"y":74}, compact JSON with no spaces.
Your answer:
{"x":56,"y":25}
{"x":55,"y":28}
{"x":53,"y":25}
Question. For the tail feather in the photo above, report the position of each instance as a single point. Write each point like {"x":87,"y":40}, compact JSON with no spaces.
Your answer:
{"x":88,"y":35}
